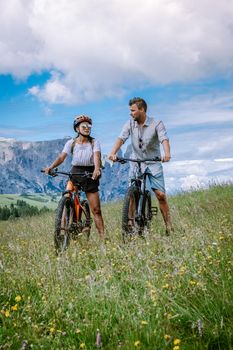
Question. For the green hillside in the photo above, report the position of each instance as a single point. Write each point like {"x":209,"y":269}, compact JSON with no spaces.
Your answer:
{"x":159,"y":293}
{"x":37,"y":200}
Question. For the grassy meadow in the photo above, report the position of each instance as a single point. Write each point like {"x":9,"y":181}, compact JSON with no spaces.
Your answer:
{"x":160,"y":293}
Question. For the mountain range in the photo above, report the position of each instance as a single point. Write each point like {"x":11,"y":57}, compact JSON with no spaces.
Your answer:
{"x":21,"y":162}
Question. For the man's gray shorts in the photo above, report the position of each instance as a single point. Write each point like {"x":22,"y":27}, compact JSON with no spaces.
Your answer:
{"x":156,"y":181}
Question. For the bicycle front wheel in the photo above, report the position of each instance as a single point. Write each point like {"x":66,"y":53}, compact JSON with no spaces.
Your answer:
{"x":147,"y":210}
{"x":63,"y":223}
{"x":85,"y":218}
{"x":130,"y":225}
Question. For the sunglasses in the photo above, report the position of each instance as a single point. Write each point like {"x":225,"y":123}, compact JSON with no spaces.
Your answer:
{"x":85,"y":126}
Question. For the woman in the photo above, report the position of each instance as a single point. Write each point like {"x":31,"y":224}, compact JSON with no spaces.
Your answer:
{"x":86,"y":156}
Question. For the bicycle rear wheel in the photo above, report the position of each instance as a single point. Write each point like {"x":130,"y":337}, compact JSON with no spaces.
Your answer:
{"x":63,"y":223}
{"x":130,"y":225}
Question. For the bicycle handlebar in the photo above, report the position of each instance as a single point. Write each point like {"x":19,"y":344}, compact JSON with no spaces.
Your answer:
{"x":124,"y":160}
{"x":55,"y":172}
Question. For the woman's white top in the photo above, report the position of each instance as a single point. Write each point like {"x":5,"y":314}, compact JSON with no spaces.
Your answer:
{"x":82,"y":153}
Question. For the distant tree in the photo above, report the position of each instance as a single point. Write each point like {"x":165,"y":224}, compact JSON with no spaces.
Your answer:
{"x":14,"y":211}
{"x":44,"y":209}
{"x":21,"y":203}
{"x":20,"y":209}
{"x":5,"y":213}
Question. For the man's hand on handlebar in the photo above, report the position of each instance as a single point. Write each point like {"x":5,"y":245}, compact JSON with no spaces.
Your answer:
{"x":47,"y":170}
{"x":112,"y":157}
{"x":166,"y":158}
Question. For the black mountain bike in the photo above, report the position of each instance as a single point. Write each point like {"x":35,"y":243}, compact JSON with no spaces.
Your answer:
{"x":137,"y":211}
{"x":73,"y":213}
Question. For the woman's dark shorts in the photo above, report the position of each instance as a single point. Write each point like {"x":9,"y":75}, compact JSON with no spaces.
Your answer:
{"x":87,"y":184}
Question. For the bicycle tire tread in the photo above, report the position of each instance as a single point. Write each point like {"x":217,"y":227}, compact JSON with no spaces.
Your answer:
{"x":59,"y":245}
{"x":132,"y":192}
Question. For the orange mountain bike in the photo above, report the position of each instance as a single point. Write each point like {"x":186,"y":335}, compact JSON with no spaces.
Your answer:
{"x":73,"y":213}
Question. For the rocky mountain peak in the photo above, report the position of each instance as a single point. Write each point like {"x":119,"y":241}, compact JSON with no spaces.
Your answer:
{"x":21,"y":162}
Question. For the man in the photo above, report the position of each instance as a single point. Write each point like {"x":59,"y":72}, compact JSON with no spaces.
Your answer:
{"x":146,"y":135}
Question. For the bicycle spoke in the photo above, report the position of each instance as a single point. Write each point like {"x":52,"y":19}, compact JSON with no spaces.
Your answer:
{"x":63,"y":222}
{"x":129,"y":214}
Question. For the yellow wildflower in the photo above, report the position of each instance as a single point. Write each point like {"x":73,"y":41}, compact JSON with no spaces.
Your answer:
{"x":7,"y":313}
{"x":192,"y":283}
{"x":167,"y":337}
{"x":18,"y":298}
{"x":176,"y":341}
{"x":183,"y":269}
{"x":78,"y":331}
{"x":82,"y":346}
{"x":137,"y":343}
{"x":52,"y":330}
{"x":176,"y":347}
{"x":144,"y":323}
{"x":14,"y":308}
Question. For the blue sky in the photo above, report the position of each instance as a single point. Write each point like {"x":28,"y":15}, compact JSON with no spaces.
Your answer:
{"x":63,"y":58}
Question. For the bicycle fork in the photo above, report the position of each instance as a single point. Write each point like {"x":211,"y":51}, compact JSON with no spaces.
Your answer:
{"x":139,"y":216}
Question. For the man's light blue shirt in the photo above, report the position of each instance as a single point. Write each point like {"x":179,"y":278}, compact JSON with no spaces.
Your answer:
{"x":145,"y":140}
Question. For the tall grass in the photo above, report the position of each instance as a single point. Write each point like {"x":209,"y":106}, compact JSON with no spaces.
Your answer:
{"x":159,"y":293}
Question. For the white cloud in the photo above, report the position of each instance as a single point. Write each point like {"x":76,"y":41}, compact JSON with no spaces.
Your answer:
{"x":102,"y":47}
{"x":189,"y":175}
{"x":211,"y":146}
{"x":192,"y":182}
{"x":54,"y":91}
{"x":209,"y":143}
{"x":224,"y":160}
{"x":214,"y":107}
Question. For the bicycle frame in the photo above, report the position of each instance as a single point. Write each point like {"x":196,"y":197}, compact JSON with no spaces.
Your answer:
{"x":73,"y":191}
{"x":139,"y":182}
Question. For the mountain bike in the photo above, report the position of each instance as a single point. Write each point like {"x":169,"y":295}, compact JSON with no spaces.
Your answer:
{"x":72,"y":216}
{"x":137,"y":211}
